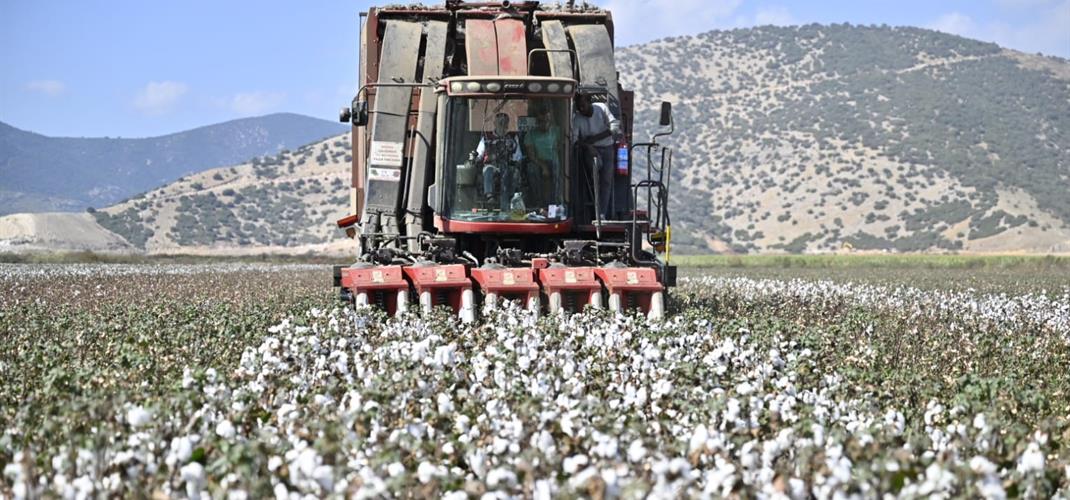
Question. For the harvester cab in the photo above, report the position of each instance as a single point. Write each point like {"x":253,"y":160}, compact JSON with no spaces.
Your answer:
{"x":470,"y":186}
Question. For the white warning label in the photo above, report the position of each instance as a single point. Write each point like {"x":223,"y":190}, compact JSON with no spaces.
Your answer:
{"x":384,"y":174}
{"x":388,"y":154}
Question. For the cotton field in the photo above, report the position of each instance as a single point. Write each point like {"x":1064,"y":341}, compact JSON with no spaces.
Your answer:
{"x":751,"y":388}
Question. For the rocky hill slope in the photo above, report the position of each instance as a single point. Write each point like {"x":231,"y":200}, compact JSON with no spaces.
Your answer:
{"x":285,"y":203}
{"x":814,"y":138}
{"x":39,"y":173}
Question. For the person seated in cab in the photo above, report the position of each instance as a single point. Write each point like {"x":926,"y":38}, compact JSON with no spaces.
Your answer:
{"x":541,"y":147}
{"x":500,"y":155}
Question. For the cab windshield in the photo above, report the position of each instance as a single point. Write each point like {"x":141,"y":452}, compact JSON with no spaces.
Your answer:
{"x":509,"y":158}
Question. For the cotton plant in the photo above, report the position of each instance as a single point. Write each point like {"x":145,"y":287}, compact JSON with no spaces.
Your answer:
{"x":349,"y":403}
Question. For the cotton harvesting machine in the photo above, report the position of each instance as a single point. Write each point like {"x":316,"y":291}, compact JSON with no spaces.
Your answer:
{"x":469,"y":185}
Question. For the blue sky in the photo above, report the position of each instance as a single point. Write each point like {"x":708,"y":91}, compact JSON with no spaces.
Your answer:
{"x":143,"y":68}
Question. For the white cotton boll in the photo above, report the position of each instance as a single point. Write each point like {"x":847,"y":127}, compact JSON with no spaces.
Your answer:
{"x":180,"y":451}
{"x":478,"y":463}
{"x":187,"y":378}
{"x":480,"y":367}
{"x":572,"y":464}
{"x":641,"y":396}
{"x":323,"y":475}
{"x":991,"y":488}
{"x":14,"y":470}
{"x":981,"y":465}
{"x":193,"y":475}
{"x":225,"y":429}
{"x":698,"y":439}
{"x":680,"y":465}
{"x":444,"y":403}
{"x":980,"y":422}
{"x":731,"y":414}
{"x":444,"y":355}
{"x":138,"y":416}
{"x":895,"y":420}
{"x":395,"y":469}
{"x":237,"y":495}
{"x":543,"y":490}
{"x":583,"y":477}
{"x":501,"y":477}
{"x":567,"y":425}
{"x":568,"y":369}
{"x":818,"y":431}
{"x":499,"y":445}
{"x":274,"y":463}
{"x":425,"y":472}
{"x":417,"y":431}
{"x":721,"y":479}
{"x":1032,"y":460}
{"x":60,"y":486}
{"x":661,"y":388}
{"x":798,"y":488}
{"x":544,"y":442}
{"x":284,"y":413}
{"x":937,"y":480}
{"x":281,"y":493}
{"x":455,"y":495}
{"x":607,"y":447}
{"x":933,"y":411}
{"x":636,"y":451}
{"x":748,"y":457}
{"x":83,"y":487}
{"x":744,"y":389}
{"x":462,"y":424}
{"x":303,"y":463}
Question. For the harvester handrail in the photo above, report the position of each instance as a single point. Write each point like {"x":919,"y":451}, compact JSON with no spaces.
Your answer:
{"x":571,"y":58}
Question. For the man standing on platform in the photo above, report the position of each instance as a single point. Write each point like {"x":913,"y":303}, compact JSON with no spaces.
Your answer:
{"x":596,"y":129}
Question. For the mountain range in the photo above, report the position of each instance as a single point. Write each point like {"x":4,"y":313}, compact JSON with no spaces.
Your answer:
{"x":40,"y":173}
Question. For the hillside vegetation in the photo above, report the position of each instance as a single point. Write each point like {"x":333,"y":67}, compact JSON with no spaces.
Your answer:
{"x":280,"y":202}
{"x":814,"y":138}
{"x":39,"y":173}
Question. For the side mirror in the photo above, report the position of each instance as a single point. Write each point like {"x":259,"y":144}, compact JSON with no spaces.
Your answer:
{"x":666,"y":113}
{"x":360,"y":113}
{"x":433,"y":200}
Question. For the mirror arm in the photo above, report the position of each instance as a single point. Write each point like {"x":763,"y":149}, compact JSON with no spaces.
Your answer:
{"x":672,"y":128}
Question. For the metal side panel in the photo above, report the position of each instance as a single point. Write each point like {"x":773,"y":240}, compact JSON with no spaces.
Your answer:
{"x":401,"y":47}
{"x":594,"y":50}
{"x":434,"y":60}
{"x":512,"y":47}
{"x":554,"y":38}
{"x":481,"y":47}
